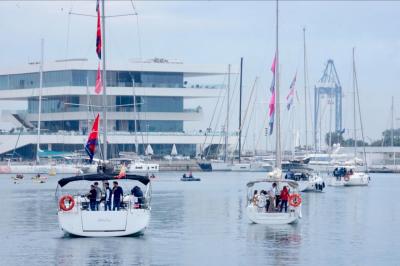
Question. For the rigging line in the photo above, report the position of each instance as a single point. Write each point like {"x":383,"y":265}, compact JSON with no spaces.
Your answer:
{"x":212,"y":119}
{"x":360,"y":116}
{"x":249,"y":123}
{"x":139,"y":38}
{"x":217,"y":123}
{"x":247,"y":108}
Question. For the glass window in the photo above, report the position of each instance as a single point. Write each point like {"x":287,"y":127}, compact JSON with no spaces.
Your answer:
{"x":160,"y":104}
{"x":3,"y":82}
{"x":24,"y":81}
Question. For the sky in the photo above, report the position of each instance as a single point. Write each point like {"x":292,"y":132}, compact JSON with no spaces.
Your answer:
{"x":220,"y":32}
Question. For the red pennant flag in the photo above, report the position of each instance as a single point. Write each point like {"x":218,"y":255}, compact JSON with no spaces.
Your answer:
{"x":98,"y":35}
{"x":93,"y":139}
{"x":99,"y":85}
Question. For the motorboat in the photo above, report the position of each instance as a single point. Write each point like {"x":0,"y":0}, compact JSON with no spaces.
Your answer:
{"x":256,"y":210}
{"x":76,"y":219}
{"x":39,"y":179}
{"x":189,"y":178}
{"x":18,"y":177}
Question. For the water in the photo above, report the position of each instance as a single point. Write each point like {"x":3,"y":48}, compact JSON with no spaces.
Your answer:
{"x":204,"y":223}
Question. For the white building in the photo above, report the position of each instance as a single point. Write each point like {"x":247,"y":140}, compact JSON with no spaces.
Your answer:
{"x":69,"y":105}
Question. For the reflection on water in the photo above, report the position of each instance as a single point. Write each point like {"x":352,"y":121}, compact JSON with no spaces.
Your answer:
{"x":204,"y":223}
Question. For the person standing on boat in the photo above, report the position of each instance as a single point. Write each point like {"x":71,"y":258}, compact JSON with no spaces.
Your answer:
{"x":92,"y":198}
{"x":107,"y":194}
{"x":274,"y":192}
{"x":98,"y":195}
{"x":284,"y":198}
{"x":117,"y":193}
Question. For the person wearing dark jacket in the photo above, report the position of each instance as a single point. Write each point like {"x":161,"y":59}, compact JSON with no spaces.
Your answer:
{"x":107,"y":196}
{"x":117,"y":193}
{"x":138,"y":193}
{"x":92,"y":197}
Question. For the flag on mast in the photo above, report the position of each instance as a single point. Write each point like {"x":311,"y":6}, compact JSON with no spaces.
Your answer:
{"x":91,"y":143}
{"x":98,"y":34}
{"x":271,"y":112}
{"x":292,"y":91}
{"x":99,"y":85}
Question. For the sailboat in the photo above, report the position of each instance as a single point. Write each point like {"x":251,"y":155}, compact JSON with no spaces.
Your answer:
{"x":80,"y":216}
{"x":354,"y":177}
{"x":258,"y":204}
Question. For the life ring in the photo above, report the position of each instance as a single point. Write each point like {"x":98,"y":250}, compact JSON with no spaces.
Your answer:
{"x":62,"y":203}
{"x":294,"y":200}
{"x":346,"y":178}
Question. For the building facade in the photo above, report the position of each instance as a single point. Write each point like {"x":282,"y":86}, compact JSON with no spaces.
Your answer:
{"x":145,"y":106}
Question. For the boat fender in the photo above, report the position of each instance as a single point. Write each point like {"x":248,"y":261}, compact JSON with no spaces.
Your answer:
{"x":62,"y":203}
{"x":294,"y":200}
{"x":346,"y":178}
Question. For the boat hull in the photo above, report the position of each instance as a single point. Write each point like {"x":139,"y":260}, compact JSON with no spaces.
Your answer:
{"x":104,"y":223}
{"x":190,"y":179}
{"x":275,"y":218}
{"x":357,"y":179}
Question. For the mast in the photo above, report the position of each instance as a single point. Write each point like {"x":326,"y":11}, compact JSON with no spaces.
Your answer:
{"x":227,"y":114}
{"x":354,"y":107}
{"x":305,"y":88}
{"x":135,"y":116}
{"x":392,"y":131}
{"x":277,"y":101}
{"x":40,"y":100}
{"x":359,"y":111}
{"x":240,"y":107}
{"x":104,"y":80}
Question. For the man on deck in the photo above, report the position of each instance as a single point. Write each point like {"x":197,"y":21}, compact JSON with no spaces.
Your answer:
{"x":117,"y":193}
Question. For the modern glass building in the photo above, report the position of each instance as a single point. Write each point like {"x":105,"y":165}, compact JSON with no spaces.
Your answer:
{"x":145,"y":105}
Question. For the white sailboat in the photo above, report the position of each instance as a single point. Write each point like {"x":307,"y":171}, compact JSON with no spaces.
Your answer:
{"x":348,"y":174}
{"x":358,"y":178}
{"x":81,"y":214}
{"x":255,"y":209}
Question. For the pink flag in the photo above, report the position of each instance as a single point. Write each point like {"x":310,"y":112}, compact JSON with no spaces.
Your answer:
{"x":272,"y":105}
{"x":273,"y":65}
{"x":99,"y":85}
{"x":271,"y":112}
{"x":290,"y":96}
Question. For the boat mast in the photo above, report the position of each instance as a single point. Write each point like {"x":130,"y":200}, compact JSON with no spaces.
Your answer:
{"x":305,"y":88}
{"x":104,"y":80}
{"x":359,"y":112}
{"x":354,"y":107}
{"x":240,"y":107}
{"x":40,"y":100}
{"x":227,"y":114}
{"x":135,"y":116}
{"x":392,"y":131}
{"x":277,"y":101}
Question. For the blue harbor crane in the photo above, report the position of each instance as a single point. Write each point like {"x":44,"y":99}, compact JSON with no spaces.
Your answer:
{"x":329,"y":85}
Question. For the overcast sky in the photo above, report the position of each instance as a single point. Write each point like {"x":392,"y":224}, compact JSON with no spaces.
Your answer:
{"x":208,"y":32}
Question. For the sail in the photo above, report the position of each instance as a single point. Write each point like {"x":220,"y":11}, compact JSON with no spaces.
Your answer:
{"x":92,"y":141}
{"x":149,"y":150}
{"x":174,"y":152}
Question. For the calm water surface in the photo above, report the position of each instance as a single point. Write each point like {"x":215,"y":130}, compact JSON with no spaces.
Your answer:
{"x":204,"y":223}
